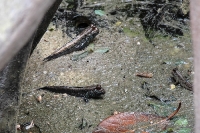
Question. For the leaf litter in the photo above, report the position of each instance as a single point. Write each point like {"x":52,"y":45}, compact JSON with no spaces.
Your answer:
{"x":133,"y":122}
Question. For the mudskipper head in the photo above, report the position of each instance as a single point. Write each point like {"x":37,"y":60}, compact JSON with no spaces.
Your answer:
{"x":97,"y":92}
{"x":100,"y":90}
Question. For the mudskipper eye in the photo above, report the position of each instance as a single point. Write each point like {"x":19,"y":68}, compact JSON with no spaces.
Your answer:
{"x":98,"y":87}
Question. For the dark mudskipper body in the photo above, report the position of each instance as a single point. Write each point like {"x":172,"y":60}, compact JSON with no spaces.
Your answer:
{"x":79,"y":43}
{"x":94,"y":91}
{"x":181,"y":80}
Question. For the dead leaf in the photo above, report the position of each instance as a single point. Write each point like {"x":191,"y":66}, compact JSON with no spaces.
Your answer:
{"x":134,"y":122}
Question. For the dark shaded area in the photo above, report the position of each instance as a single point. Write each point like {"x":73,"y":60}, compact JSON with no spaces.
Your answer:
{"x":163,"y":19}
{"x":157,"y":17}
{"x":12,"y":74}
{"x":72,"y":21}
{"x":10,"y":89}
{"x":19,"y":22}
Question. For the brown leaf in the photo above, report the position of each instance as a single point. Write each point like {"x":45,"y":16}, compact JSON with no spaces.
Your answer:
{"x":133,"y":122}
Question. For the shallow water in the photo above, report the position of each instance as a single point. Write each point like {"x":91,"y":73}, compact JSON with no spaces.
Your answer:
{"x":115,"y":70}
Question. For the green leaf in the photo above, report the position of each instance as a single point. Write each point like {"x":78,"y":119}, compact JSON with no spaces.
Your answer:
{"x":184,"y":130}
{"x":167,"y":62}
{"x":90,"y":48}
{"x":181,"y":122}
{"x":180,"y":62}
{"x":100,"y":12}
{"x":102,"y":50}
{"x":169,"y":130}
{"x":80,"y":56}
{"x":161,"y":109}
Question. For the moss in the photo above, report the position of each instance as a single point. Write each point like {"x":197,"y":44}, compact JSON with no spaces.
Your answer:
{"x":131,"y":33}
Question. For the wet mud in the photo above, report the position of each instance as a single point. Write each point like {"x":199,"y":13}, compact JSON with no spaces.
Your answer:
{"x":130,"y":52}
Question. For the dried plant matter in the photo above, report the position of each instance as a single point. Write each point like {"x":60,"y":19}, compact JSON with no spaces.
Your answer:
{"x":133,"y":122}
{"x":145,"y":75}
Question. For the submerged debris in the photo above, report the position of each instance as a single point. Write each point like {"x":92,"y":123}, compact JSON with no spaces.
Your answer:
{"x":25,"y":126}
{"x":29,"y":127}
{"x":145,"y":75}
{"x":164,"y":18}
{"x":177,"y":76}
{"x":83,"y":124}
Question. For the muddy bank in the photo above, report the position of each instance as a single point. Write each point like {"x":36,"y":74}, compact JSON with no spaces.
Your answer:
{"x":130,"y":51}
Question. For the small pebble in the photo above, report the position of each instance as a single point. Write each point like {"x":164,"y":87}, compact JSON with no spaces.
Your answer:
{"x":56,"y":96}
{"x":44,"y":72}
{"x":118,"y":23}
{"x":192,"y":72}
{"x":125,"y":90}
{"x":64,"y":95}
{"x":116,"y":112}
{"x":18,"y":127}
{"x":30,"y":126}
{"x":172,"y":86}
{"x":61,"y":74}
{"x":39,"y":98}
